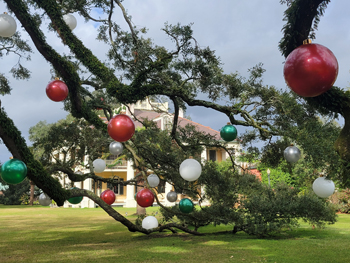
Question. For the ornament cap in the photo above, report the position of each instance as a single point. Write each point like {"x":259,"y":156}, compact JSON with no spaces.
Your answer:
{"x":291,"y":144}
{"x":307,"y":41}
{"x":229,"y":123}
{"x":57,"y":78}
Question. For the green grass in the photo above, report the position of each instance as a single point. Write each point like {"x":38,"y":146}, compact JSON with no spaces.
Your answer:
{"x":40,"y":234}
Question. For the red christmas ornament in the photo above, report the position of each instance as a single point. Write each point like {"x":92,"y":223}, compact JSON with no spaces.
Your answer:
{"x":121,"y":128}
{"x":57,"y":90}
{"x":145,"y":197}
{"x":108,"y":196}
{"x":310,"y":70}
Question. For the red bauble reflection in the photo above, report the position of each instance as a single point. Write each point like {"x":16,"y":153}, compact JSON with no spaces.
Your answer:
{"x":145,"y":197}
{"x":57,"y":90}
{"x":121,"y":128}
{"x":108,"y":196}
{"x":310,"y":70}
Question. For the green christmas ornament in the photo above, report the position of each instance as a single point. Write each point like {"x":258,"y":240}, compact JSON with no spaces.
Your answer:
{"x":75,"y":200}
{"x":13,"y":171}
{"x":186,"y":205}
{"x":228,"y":132}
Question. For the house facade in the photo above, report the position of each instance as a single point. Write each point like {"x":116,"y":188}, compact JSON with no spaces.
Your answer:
{"x":123,"y":170}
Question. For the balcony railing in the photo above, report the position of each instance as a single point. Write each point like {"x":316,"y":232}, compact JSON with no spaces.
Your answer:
{"x":121,"y":164}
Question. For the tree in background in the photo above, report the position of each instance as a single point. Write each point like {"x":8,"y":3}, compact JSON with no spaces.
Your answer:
{"x":138,"y":68}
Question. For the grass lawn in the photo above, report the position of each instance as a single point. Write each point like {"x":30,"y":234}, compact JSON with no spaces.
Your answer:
{"x":43,"y":234}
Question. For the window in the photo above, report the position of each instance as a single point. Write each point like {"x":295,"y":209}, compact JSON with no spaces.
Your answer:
{"x":117,"y":189}
{"x":212,"y":155}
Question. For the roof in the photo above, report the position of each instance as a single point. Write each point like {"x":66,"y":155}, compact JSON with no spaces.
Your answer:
{"x":182,"y":122}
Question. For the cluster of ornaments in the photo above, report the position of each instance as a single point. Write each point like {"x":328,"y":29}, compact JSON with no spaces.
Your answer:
{"x":322,"y":187}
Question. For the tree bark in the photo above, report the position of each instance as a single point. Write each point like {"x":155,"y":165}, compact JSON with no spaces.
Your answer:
{"x":31,"y":199}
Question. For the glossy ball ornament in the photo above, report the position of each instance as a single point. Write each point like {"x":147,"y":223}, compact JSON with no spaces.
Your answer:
{"x":153,"y":180}
{"x":228,"y":132}
{"x":145,"y":197}
{"x":13,"y":171}
{"x":310,"y":70}
{"x":8,"y":25}
{"x":292,"y":154}
{"x":75,"y":200}
{"x":44,"y":199}
{"x":70,"y":21}
{"x":149,"y":222}
{"x":323,"y":187}
{"x":186,"y":205}
{"x":190,"y":170}
{"x":99,"y":165}
{"x":121,"y":128}
{"x":57,"y":90}
{"x":171,"y":196}
{"x":108,"y":196}
{"x":116,"y":148}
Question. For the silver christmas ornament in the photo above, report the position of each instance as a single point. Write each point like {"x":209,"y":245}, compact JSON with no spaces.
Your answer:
{"x":116,"y":148}
{"x":171,"y":196}
{"x":44,"y":199}
{"x":292,"y":154}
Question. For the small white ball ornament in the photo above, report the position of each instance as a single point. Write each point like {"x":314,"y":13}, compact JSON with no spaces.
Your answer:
{"x":153,"y":180}
{"x":149,"y":222}
{"x":171,"y":196}
{"x":292,"y":154}
{"x":323,"y":187}
{"x":99,"y":165}
{"x":8,"y":25}
{"x":116,"y":148}
{"x":44,"y":200}
{"x":70,"y":21}
{"x":190,"y":170}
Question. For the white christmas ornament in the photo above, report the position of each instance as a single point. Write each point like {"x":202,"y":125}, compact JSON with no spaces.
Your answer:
{"x":153,"y":180}
{"x":116,"y":148}
{"x":190,"y":170}
{"x":70,"y":21}
{"x":99,"y":165}
{"x":323,"y":187}
{"x":8,"y":25}
{"x":149,"y":222}
{"x":44,"y":199}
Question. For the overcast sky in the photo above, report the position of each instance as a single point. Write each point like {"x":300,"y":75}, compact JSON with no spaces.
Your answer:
{"x":243,"y":34}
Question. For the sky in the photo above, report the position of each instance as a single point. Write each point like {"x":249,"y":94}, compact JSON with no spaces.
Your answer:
{"x":243,"y":34}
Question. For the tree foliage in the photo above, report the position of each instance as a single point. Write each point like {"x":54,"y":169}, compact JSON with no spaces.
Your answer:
{"x":139,"y":68}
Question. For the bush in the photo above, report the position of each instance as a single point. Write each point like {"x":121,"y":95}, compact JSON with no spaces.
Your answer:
{"x":341,"y":200}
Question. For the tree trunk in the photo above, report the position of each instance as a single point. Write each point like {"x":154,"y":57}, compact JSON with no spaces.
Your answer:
{"x":31,"y":199}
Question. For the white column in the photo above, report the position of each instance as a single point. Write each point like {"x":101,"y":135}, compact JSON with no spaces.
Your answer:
{"x":130,"y":189}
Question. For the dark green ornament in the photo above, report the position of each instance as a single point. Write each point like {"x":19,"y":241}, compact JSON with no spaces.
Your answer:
{"x":186,"y":205}
{"x":13,"y":171}
{"x":228,"y":132}
{"x":75,"y":200}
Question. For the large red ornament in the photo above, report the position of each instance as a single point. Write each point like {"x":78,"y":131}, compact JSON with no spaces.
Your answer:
{"x":108,"y":196}
{"x":145,"y":197}
{"x":121,"y":128}
{"x":57,"y":90}
{"x":310,"y":70}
